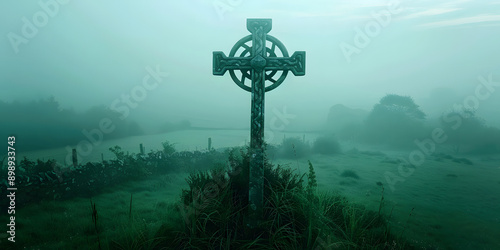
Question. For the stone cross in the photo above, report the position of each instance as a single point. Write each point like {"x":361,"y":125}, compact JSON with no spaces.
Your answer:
{"x":255,"y":57}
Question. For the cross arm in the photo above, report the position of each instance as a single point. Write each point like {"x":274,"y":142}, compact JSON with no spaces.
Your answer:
{"x":222,"y":63}
{"x":296,"y":63}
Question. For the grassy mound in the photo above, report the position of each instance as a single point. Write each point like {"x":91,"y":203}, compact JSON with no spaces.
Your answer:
{"x":212,"y":214}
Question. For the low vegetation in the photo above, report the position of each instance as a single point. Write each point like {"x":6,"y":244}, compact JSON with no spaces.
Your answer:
{"x":395,"y":121}
{"x":211,"y":212}
{"x":327,"y":145}
{"x":49,"y":180}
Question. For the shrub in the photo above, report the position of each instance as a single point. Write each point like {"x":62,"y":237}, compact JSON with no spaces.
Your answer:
{"x":395,"y":121}
{"x":293,"y":147}
{"x":326,"y":145}
{"x":168,"y":148}
{"x":468,"y":133}
{"x":212,"y":212}
{"x":350,"y":173}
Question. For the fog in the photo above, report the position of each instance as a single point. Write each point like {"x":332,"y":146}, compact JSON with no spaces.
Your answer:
{"x":391,"y":138}
{"x":443,"y":54}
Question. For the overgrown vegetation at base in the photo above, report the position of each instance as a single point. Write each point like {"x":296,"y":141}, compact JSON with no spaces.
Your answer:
{"x":211,"y":214}
{"x":49,"y":180}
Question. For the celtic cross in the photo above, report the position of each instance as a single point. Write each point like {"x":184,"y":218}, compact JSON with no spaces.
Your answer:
{"x":254,"y":57}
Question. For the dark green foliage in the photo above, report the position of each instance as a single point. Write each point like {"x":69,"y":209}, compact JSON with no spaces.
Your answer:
{"x":117,"y":151}
{"x":40,"y":167}
{"x":213,"y":213}
{"x":311,"y":179}
{"x":223,"y":194}
{"x":326,"y":145}
{"x":139,"y":238}
{"x":56,"y":127}
{"x":94,"y":221}
{"x":312,"y":201}
{"x":293,"y":147}
{"x":168,"y":148}
{"x":345,"y":122}
{"x":402,"y":104}
{"x":468,"y":133}
{"x":49,"y":180}
{"x":395,"y":121}
{"x":350,"y":173}
{"x":131,"y":165}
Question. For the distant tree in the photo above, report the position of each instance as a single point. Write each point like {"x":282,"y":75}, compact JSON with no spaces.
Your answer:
{"x":397,"y":104}
{"x":396,"y":120}
{"x":326,"y":144}
{"x":468,"y":133}
{"x":37,"y":124}
{"x":293,"y":147}
{"x":168,"y":148}
{"x":345,"y":122}
{"x":44,"y":124}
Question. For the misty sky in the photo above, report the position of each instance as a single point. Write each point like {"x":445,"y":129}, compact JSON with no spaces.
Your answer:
{"x":88,"y":53}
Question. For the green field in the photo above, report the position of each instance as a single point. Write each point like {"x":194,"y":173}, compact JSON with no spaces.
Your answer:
{"x":445,"y":203}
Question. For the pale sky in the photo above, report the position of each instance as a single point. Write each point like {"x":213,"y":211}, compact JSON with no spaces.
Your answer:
{"x":88,"y":53}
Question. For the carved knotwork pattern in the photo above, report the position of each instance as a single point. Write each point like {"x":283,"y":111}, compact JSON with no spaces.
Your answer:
{"x":258,"y":63}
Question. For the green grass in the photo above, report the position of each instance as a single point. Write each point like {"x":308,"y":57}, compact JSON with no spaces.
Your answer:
{"x":296,"y":216}
{"x":69,"y":225}
{"x":210,"y":214}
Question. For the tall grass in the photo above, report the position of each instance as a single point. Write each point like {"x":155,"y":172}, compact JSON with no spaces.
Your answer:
{"x":295,"y":215}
